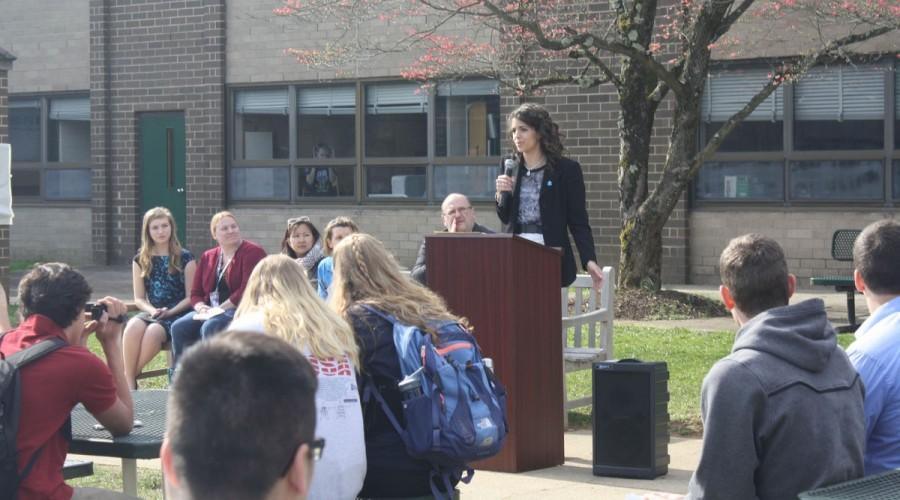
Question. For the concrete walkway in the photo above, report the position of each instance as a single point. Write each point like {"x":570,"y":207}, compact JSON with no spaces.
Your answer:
{"x":574,"y":479}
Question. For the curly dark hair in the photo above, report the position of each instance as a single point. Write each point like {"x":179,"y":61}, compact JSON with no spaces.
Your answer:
{"x":54,"y":290}
{"x":538,"y":118}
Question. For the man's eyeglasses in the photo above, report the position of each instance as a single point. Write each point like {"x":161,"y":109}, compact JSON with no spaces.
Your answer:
{"x":297,"y":220}
{"x":316,"y":447}
{"x":457,"y":211}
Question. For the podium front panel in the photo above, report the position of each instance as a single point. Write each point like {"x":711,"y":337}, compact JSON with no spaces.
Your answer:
{"x":508,"y":289}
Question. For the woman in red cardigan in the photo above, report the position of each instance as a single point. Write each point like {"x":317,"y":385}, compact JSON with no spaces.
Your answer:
{"x":219,"y":282}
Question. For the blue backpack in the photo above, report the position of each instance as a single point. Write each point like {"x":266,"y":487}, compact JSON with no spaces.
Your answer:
{"x":457,"y":412}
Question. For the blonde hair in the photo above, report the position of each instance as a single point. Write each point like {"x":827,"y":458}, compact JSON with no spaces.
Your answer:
{"x":333,"y":223}
{"x":146,"y":251}
{"x":216,"y":218}
{"x":366,"y":273}
{"x":279,"y":289}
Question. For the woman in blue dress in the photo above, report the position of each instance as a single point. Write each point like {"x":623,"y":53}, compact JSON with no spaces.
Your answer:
{"x":162,"y":273}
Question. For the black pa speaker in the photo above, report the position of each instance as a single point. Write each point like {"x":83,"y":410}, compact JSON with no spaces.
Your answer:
{"x":631,"y":419}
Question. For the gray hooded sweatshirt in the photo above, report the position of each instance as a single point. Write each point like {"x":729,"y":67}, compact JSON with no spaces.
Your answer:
{"x":783,"y":413}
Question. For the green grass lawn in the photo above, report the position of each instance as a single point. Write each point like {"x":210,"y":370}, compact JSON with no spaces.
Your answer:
{"x":689,"y":356}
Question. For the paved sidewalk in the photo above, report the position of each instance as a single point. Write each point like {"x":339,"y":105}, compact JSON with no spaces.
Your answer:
{"x":571,"y":481}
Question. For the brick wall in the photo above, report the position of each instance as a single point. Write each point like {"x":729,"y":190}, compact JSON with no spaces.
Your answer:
{"x":805,"y":236}
{"x":52,"y":234}
{"x":401,"y":229}
{"x":50,"y":40}
{"x":154,"y":56}
{"x":255,"y":43}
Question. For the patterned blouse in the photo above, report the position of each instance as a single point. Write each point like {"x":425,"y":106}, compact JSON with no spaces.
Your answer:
{"x":530,"y":196}
{"x":164,"y":289}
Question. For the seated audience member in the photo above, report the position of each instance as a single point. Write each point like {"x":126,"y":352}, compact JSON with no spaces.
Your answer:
{"x":240,"y":424}
{"x":876,"y":351}
{"x":161,"y":276}
{"x":52,"y":299}
{"x":366,"y":274}
{"x":783,"y":413}
{"x":279,"y":301}
{"x":218,"y":286}
{"x":321,"y":181}
{"x":458,"y":216}
{"x":336,"y":230}
{"x":301,"y":242}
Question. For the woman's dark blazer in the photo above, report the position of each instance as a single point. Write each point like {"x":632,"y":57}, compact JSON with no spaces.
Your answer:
{"x":562,"y":206}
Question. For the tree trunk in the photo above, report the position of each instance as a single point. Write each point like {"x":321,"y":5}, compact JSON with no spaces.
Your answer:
{"x":639,"y":260}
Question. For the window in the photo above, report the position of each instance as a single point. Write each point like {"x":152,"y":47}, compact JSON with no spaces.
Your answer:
{"x":301,"y":143}
{"x":63,"y":171}
{"x":25,"y":129}
{"x":67,"y":184}
{"x":837,"y":180}
{"x":261,"y":125}
{"x":395,"y":182}
{"x":839,"y":109}
{"x":327,"y":116}
{"x":69,"y":130}
{"x":726,"y":94}
{"x":740,"y":180}
{"x":476,"y":181}
{"x":467,"y":119}
{"x":260,"y":183}
{"x":830,"y":149}
{"x":396,"y":120}
{"x":896,"y":177}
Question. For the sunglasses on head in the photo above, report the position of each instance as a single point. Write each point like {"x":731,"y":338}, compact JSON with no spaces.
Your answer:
{"x":297,"y":220}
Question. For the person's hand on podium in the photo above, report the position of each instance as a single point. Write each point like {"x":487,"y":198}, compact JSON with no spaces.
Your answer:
{"x":596,"y":273}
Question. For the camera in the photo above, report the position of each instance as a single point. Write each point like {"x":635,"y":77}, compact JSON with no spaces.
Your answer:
{"x":96,"y":310}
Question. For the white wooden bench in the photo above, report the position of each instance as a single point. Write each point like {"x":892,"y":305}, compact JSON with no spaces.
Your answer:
{"x":587,"y":329}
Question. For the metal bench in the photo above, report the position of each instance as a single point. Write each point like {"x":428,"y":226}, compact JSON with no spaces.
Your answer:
{"x":590,"y":322}
{"x":842,"y":251}
{"x":884,"y":486}
{"x":77,"y":468}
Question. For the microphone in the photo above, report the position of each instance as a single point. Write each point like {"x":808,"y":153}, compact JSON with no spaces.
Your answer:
{"x":509,"y":169}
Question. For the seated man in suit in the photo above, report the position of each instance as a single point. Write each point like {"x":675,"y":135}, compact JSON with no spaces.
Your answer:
{"x":458,"y":216}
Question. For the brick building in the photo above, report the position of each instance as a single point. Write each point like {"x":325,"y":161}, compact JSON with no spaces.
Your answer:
{"x":120,"y":105}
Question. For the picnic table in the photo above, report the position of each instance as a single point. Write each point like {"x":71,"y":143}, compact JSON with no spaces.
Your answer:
{"x":142,"y":443}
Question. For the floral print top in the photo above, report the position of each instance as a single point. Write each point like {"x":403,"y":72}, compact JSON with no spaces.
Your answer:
{"x":164,"y":289}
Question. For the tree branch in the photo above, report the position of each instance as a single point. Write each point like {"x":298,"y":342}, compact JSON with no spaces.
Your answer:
{"x":589,"y":40}
{"x":829,"y":51}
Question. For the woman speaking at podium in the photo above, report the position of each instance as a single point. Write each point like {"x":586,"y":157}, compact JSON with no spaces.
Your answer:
{"x":540,"y":194}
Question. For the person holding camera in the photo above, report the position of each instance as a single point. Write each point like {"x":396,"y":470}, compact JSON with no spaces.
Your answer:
{"x":53,"y":299}
{"x":162,"y":273}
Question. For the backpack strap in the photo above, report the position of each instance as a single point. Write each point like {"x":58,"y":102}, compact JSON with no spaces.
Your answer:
{"x":36,"y":351}
{"x":372,"y":390}
{"x":378,"y":312}
{"x":24,"y":357}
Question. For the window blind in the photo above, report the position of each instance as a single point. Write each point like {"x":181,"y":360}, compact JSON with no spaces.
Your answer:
{"x":840,"y":93}
{"x":728,"y":92}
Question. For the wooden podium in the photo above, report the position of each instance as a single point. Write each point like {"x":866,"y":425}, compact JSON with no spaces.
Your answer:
{"x":508,"y":288}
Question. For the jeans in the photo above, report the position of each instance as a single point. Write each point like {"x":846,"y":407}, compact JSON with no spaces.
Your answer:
{"x":186,"y":331}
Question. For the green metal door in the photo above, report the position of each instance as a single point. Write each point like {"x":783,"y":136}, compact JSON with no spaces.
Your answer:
{"x":162,"y":165}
